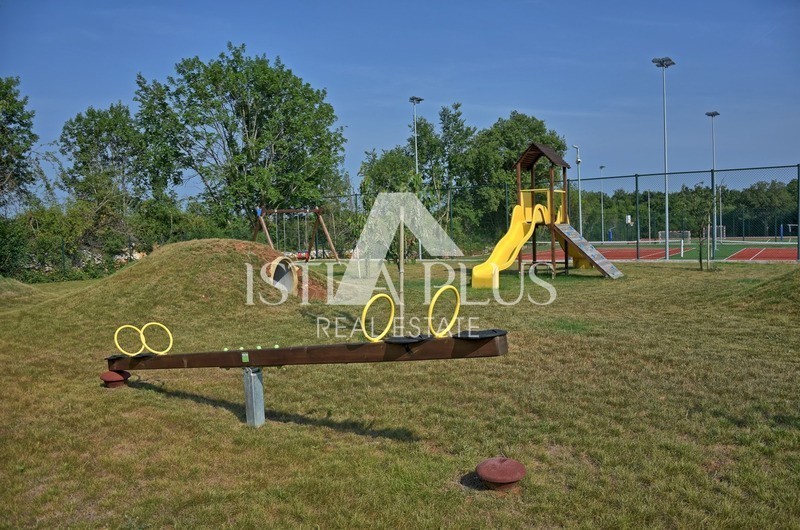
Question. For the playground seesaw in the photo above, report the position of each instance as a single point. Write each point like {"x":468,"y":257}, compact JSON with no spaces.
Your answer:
{"x":465,"y":345}
{"x":382,"y":348}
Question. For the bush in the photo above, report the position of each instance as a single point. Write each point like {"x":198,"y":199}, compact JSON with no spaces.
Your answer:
{"x":13,"y":246}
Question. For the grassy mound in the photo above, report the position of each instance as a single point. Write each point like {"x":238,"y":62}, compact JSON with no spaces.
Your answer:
{"x":14,"y":293}
{"x":204,"y":270}
{"x":196,"y":288}
{"x":13,"y":289}
{"x":778,"y":294}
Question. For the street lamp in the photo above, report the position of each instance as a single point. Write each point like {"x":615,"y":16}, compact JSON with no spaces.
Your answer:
{"x":602,"y":210}
{"x":414,"y":100}
{"x":713,"y":114}
{"x":580,"y":203}
{"x":664,"y":63}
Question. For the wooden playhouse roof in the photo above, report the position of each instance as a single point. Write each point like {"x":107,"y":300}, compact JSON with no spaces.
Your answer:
{"x":534,"y":152}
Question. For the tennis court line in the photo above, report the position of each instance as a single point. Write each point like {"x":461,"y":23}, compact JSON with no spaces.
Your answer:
{"x":659,"y":253}
{"x":757,"y":253}
{"x":732,"y":257}
{"x":652,"y":254}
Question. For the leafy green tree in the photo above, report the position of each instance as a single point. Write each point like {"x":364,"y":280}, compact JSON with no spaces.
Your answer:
{"x":101,"y":148}
{"x":252,"y":131}
{"x":488,"y":171}
{"x":430,"y":150}
{"x":442,"y":156}
{"x":18,"y":166}
{"x":159,"y":163}
{"x":13,"y":246}
{"x":456,"y":138}
{"x":156,"y":221}
{"x":392,"y":171}
{"x":477,"y":165}
{"x":694,"y":207}
{"x":55,"y":231}
{"x":767,"y":200}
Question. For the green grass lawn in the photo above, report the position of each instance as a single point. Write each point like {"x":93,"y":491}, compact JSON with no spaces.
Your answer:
{"x":667,"y":398}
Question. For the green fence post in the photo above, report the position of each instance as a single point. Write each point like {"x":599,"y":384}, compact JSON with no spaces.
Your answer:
{"x":742,"y":223}
{"x":637,"y":217}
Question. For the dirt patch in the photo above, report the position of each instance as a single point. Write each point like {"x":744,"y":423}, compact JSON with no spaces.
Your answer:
{"x":258,"y":250}
{"x":316,"y":290}
{"x":721,"y":458}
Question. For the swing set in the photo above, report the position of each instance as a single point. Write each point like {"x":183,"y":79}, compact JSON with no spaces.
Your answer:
{"x":319,"y":223}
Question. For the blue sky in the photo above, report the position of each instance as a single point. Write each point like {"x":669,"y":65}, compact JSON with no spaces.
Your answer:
{"x":582,"y":66}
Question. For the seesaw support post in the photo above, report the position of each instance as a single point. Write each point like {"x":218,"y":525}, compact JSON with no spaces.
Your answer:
{"x":254,"y":395}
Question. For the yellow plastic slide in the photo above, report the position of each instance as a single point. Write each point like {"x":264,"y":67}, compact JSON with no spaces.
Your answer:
{"x":523,"y":223}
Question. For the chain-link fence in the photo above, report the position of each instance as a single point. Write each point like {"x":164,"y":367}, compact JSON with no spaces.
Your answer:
{"x":750,"y":204}
{"x":730,"y":205}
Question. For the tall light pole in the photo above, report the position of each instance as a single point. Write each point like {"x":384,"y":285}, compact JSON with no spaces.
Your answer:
{"x":580,"y":202}
{"x":602,"y":209}
{"x":414,"y":100}
{"x":664,"y":63}
{"x":713,"y":114}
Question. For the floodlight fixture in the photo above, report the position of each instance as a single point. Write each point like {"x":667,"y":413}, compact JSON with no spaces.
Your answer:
{"x":663,"y":62}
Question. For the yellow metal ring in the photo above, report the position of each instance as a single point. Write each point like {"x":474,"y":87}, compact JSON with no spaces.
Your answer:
{"x":364,"y":317}
{"x":444,"y":332}
{"x":116,"y":340}
{"x":144,"y":342}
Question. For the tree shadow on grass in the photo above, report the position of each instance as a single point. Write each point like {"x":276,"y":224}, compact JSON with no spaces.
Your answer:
{"x":543,"y":273}
{"x":785,"y":421}
{"x":237,"y":409}
{"x":749,"y":419}
{"x":357,"y":427}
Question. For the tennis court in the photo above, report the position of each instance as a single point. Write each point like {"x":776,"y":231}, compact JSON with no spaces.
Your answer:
{"x":645,"y":252}
{"x":727,"y":251}
{"x":648,"y":252}
{"x":764,"y":254}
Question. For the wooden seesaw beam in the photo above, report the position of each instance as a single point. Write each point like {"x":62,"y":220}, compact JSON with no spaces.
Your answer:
{"x":362,"y":352}
{"x":488,"y":343}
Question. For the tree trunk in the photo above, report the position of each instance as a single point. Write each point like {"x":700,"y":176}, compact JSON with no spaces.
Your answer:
{"x":700,"y":246}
